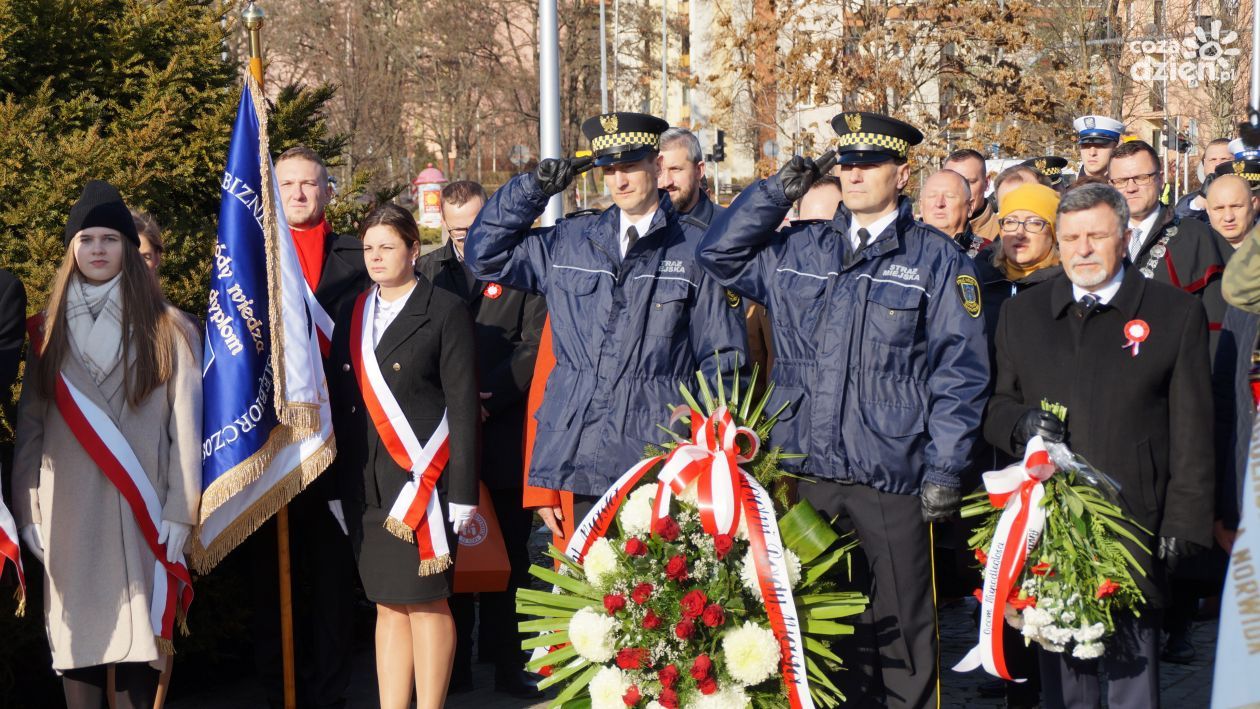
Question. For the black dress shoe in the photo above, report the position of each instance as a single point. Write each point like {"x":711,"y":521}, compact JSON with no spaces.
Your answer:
{"x":1178,"y":650}
{"x":516,"y":683}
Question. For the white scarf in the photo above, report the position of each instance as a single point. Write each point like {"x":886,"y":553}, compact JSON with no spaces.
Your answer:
{"x":94,"y":321}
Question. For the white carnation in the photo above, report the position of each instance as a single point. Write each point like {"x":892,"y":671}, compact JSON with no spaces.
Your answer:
{"x":1057,"y":635}
{"x":1050,"y":647}
{"x":1036,"y":617}
{"x":751,"y":653}
{"x":748,"y":572}
{"x":1087,"y":651}
{"x":655,"y":705}
{"x":1013,"y":617}
{"x":607,"y":687}
{"x":600,"y":562}
{"x":1089,"y":633}
{"x":636,"y":511}
{"x":729,"y":697}
{"x":591,"y":633}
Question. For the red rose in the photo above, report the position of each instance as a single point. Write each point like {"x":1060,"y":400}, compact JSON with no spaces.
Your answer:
{"x":635,"y":547}
{"x":1106,"y":588}
{"x":708,"y":685}
{"x":632,"y":658}
{"x":676,"y":568}
{"x":1041,"y":569}
{"x":693,"y":603}
{"x":668,"y":699}
{"x":713,"y":616}
{"x":982,"y":557}
{"x":701,"y":667}
{"x":651,"y":621}
{"x":722,"y":544}
{"x":666,"y":528}
{"x":668,"y":676}
{"x":632,"y":696}
{"x":641,"y":593}
{"x":685,"y":629}
{"x":614,"y":602}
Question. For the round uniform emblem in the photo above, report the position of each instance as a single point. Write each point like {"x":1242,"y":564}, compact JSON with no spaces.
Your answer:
{"x":732,"y":298}
{"x":475,"y":531}
{"x":493,"y":290}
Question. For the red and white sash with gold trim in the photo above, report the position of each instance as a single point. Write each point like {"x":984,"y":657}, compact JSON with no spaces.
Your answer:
{"x":105,"y":444}
{"x":416,"y":514}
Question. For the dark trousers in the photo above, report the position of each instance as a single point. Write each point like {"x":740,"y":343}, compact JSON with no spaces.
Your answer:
{"x":893,"y":660}
{"x":1131,"y":661}
{"x":498,"y":639}
{"x":323,"y":576}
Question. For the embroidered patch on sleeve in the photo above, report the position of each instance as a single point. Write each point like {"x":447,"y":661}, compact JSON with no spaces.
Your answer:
{"x":969,"y":294}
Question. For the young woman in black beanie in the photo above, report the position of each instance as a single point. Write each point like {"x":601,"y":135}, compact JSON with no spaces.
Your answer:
{"x":107,"y":467}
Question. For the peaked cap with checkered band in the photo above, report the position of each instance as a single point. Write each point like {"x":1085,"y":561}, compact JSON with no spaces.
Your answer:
{"x":623,"y":136}
{"x":872,"y":137}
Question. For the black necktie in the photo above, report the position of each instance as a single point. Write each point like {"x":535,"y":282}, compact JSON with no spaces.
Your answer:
{"x":864,"y":238}
{"x":1089,"y":301}
{"x":632,"y":235}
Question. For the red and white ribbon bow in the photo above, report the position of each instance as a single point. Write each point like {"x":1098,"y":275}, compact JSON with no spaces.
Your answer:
{"x":1017,"y":491}
{"x":711,"y":461}
{"x":416,"y":514}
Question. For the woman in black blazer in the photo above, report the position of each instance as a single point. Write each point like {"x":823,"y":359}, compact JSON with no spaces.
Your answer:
{"x":407,"y":343}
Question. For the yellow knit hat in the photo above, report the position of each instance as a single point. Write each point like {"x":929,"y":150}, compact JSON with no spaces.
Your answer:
{"x":1034,"y":197}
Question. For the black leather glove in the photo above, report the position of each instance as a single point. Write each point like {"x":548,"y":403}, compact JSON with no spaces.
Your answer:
{"x":554,"y":175}
{"x":801,"y":172}
{"x":1038,"y":423}
{"x":939,"y":502}
{"x":1174,"y":551}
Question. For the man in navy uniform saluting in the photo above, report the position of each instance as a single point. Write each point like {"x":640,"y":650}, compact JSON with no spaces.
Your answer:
{"x":880,"y":356}
{"x":632,"y":314}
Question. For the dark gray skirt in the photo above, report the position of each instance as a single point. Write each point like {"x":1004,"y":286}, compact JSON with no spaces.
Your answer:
{"x":389,"y":567}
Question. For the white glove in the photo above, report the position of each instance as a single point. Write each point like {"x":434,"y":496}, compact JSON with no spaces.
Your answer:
{"x":175,"y":535}
{"x":339,"y":513}
{"x":460,"y":514}
{"x":33,"y":541}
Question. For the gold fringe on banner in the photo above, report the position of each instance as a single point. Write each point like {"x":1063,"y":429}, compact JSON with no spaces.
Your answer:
{"x":206,"y":558}
{"x":20,"y":595}
{"x":400,"y":530}
{"x":429,"y":567}
{"x":245,"y":473}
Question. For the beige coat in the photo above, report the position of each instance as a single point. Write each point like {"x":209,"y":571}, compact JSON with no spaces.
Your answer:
{"x":98,"y":573}
{"x":985,"y":226}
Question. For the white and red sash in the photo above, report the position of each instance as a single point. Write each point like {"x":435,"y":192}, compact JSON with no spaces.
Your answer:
{"x":1017,"y":491}
{"x":105,"y":444}
{"x":10,"y":550}
{"x":323,"y":322}
{"x":416,"y":514}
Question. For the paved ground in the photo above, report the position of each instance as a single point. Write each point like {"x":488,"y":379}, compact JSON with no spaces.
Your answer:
{"x":1183,"y":686}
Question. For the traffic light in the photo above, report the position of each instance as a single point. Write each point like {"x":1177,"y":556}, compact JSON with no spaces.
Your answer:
{"x":719,"y":147}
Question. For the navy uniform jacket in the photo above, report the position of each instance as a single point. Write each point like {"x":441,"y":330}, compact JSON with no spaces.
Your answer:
{"x":884,"y":370}
{"x":625,"y":332}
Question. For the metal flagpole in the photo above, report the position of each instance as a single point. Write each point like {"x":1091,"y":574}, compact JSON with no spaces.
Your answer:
{"x":252,"y":17}
{"x":549,"y":97}
{"x":664,"y":60}
{"x":603,"y":59}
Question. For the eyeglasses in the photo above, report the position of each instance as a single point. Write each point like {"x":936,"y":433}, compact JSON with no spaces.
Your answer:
{"x":1032,"y":226}
{"x":1139,"y":180}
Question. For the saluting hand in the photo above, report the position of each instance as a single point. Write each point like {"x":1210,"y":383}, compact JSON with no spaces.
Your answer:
{"x":800,"y":173}
{"x":554,"y":175}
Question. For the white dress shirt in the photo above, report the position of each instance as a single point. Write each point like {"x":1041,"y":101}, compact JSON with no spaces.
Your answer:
{"x":386,"y":311}
{"x":1105,"y":293}
{"x":1141,"y":231}
{"x":875,"y":229}
{"x":642,"y":226}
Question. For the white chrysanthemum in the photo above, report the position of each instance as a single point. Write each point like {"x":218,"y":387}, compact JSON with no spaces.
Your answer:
{"x":748,"y":572}
{"x":600,"y":562}
{"x":636,"y":511}
{"x":728,"y":697}
{"x":591,"y":633}
{"x":1089,"y":633}
{"x":607,"y":687}
{"x":751,"y":653}
{"x":1087,"y":651}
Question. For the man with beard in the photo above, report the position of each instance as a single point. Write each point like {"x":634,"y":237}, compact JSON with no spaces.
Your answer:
{"x":682,"y":176}
{"x":1150,"y":429}
{"x":945,"y":199}
{"x":882,"y":369}
{"x":631,"y":312}
{"x":1097,"y":137}
{"x":1183,"y":253}
{"x":971,"y":165}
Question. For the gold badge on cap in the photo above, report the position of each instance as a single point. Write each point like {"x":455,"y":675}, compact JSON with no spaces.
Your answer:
{"x":969,"y":293}
{"x":1041,"y":165}
{"x":1239,"y":166}
{"x":608,"y":123}
{"x":854,"y":122}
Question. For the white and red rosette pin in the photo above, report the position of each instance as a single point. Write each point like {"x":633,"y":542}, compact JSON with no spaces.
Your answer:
{"x":492,"y":291}
{"x":1135,"y":333}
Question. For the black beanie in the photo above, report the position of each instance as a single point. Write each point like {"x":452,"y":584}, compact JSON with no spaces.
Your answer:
{"x":101,"y":205}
